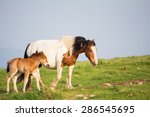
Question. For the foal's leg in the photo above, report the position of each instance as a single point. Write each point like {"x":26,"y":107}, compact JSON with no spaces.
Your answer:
{"x":10,"y":76}
{"x":15,"y":81}
{"x":8,"y":81}
{"x":55,"y":81}
{"x":40,"y":80}
{"x":36,"y":75}
{"x":69,"y":84}
{"x":26,"y":75}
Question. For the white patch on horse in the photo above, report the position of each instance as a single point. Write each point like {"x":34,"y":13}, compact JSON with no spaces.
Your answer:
{"x":68,"y":42}
{"x":95,"y":55}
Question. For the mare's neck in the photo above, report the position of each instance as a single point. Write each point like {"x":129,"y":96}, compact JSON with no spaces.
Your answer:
{"x":69,"y":60}
{"x":77,"y":53}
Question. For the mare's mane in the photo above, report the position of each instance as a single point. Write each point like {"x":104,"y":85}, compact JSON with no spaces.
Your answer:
{"x":82,"y":44}
{"x":75,"y":43}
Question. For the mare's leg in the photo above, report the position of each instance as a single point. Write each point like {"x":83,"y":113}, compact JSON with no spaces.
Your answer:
{"x":55,"y":81}
{"x":10,"y":76}
{"x":26,"y":75}
{"x":15,"y":81}
{"x":20,"y":78}
{"x":69,"y":84}
{"x":28,"y":86}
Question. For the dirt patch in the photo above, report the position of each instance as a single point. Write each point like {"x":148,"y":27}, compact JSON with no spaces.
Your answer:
{"x":128,"y":83}
{"x":2,"y":91}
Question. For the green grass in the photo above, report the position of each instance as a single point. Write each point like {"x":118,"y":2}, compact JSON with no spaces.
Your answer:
{"x":114,"y":79}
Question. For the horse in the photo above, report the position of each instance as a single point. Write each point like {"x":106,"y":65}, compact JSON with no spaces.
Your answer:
{"x":28,"y":66}
{"x":64,"y":52}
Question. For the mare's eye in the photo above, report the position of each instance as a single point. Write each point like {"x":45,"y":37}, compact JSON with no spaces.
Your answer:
{"x":90,"y":50}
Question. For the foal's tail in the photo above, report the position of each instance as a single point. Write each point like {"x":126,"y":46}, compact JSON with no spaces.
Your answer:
{"x":7,"y":69}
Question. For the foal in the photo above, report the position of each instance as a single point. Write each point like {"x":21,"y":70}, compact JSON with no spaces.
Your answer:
{"x":28,"y":66}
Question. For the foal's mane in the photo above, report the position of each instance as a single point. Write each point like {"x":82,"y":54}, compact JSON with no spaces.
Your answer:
{"x":37,"y":54}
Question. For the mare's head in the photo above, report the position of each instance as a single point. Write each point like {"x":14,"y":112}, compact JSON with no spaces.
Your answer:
{"x":90,"y":51}
{"x":43,"y":59}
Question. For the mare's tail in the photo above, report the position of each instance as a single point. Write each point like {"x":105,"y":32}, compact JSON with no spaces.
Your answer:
{"x":25,"y":53}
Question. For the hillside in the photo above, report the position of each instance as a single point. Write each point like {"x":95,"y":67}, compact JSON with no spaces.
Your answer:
{"x":117,"y":78}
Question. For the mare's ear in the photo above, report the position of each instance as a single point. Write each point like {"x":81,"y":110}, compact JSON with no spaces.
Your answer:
{"x":94,"y":42}
{"x":87,"y":42}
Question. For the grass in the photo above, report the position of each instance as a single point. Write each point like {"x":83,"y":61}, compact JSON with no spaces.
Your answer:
{"x":113,"y":79}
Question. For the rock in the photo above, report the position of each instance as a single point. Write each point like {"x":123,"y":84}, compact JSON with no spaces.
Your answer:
{"x":85,"y":98}
{"x":107,"y":85}
{"x":92,"y":95}
{"x":80,"y":96}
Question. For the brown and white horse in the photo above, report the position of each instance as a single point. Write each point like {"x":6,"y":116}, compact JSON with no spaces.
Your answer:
{"x":71,"y":60}
{"x":64,"y":52}
{"x":28,"y":66}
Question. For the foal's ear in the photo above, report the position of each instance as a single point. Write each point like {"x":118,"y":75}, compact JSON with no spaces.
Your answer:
{"x":42,"y":52}
{"x":36,"y":52}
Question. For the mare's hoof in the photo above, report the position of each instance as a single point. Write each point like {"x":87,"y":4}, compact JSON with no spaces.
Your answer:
{"x":16,"y":91}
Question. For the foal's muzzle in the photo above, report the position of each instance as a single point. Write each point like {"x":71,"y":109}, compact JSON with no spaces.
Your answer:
{"x":47,"y":65}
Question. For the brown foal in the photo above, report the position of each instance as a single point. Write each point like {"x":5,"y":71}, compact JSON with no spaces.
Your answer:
{"x":28,"y":66}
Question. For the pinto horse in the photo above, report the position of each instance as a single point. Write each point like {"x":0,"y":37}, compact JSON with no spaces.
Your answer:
{"x":64,"y":52}
{"x":28,"y":66}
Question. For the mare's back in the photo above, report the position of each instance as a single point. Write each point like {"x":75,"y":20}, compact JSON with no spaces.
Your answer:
{"x":42,"y":45}
{"x":49,"y":47}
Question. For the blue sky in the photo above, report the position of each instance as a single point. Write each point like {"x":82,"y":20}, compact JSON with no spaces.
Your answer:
{"x":120,"y":27}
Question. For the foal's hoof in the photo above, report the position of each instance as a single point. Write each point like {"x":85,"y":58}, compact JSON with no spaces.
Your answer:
{"x":52,"y":88}
{"x":70,"y":87}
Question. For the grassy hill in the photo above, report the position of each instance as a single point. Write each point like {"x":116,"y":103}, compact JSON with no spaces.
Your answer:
{"x":117,"y":78}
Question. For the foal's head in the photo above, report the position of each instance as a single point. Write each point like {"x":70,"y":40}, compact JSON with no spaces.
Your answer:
{"x":43,"y":59}
{"x":90,"y":51}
